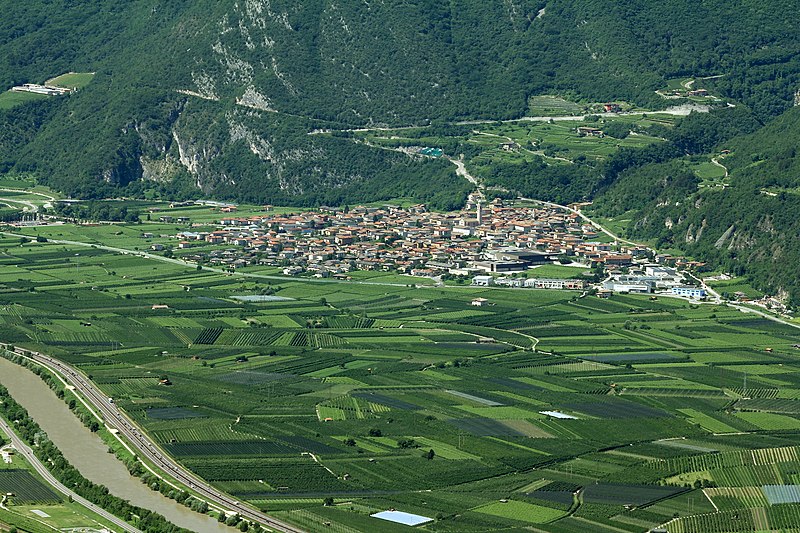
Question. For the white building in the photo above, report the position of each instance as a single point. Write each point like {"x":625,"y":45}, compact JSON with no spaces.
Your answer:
{"x":691,"y":292}
{"x":661,"y":272}
{"x":629,"y":286}
{"x":555,"y":284}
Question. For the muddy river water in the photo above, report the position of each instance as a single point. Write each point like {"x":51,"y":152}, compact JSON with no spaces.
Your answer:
{"x":87,"y":452}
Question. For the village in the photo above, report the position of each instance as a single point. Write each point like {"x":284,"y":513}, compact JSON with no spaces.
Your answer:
{"x":493,"y":243}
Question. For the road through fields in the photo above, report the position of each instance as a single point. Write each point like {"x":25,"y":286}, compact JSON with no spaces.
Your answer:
{"x":145,"y":447}
{"x":25,"y":451}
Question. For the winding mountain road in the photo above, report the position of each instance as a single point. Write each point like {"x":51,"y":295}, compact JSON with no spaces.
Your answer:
{"x":28,"y":206}
{"x":461,"y":170}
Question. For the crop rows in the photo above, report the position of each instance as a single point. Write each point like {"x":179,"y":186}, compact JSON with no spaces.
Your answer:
{"x":285,"y":339}
{"x":26,"y":488}
{"x":198,"y":432}
{"x":183,"y":336}
{"x":732,"y":498}
{"x":757,"y":519}
{"x":228,"y":449}
{"x":208,"y":336}
{"x":248,"y":338}
{"x":295,"y":475}
{"x":308,"y":365}
{"x":774,"y":405}
{"x":347,"y":322}
{"x":350,"y":408}
{"x":748,"y":476}
{"x":763,"y":456}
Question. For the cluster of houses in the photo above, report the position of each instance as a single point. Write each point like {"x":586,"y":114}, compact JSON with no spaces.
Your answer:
{"x":488,"y":243}
{"x":686,"y":93}
{"x":483,"y":239}
{"x":700,"y":93}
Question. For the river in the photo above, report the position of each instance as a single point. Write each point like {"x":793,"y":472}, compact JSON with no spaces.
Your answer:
{"x":87,"y":452}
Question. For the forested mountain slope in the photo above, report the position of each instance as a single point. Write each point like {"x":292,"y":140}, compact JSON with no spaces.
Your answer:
{"x":220,"y":95}
{"x":750,"y":227}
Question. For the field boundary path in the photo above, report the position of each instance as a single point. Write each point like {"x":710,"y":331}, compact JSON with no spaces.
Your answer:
{"x":145,"y":446}
{"x":29,"y":456}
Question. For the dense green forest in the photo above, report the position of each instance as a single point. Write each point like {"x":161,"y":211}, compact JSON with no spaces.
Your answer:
{"x":252,"y":75}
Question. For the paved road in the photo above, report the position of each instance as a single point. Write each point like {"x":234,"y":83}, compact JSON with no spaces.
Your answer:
{"x":461,"y":170}
{"x":30,"y":207}
{"x":145,"y":447}
{"x":27,"y":207}
{"x":677,"y":111}
{"x":26,"y":191}
{"x":26,"y":452}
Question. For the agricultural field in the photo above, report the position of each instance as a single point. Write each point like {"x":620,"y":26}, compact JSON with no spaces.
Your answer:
{"x":736,"y":285}
{"x":544,"y":409}
{"x":25,"y":488}
{"x":31,"y":504}
{"x":557,"y":272}
{"x":554,"y":106}
{"x":710,"y":169}
{"x":11,"y":99}
{"x":559,"y":142}
{"x":70,"y":80}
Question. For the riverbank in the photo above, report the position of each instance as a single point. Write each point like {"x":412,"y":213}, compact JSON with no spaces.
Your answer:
{"x":89,"y":454}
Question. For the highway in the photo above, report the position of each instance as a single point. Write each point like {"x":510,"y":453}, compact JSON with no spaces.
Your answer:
{"x":26,"y":452}
{"x":145,"y":447}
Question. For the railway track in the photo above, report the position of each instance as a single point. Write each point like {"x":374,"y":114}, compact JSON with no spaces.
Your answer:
{"x":143,"y":445}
